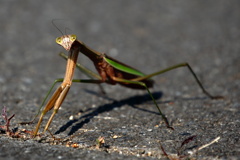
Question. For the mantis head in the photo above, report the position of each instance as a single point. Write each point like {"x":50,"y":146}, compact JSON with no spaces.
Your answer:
{"x":66,"y":41}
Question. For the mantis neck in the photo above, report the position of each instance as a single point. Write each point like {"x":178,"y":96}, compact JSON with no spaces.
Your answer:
{"x":90,"y":53}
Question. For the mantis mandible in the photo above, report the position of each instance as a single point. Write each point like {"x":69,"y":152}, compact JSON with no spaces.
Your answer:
{"x":110,"y":71}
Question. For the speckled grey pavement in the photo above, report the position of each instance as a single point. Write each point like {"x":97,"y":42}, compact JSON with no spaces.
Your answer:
{"x":148,"y":35}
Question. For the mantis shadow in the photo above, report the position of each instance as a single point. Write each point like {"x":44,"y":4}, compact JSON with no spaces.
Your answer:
{"x":132,"y":101}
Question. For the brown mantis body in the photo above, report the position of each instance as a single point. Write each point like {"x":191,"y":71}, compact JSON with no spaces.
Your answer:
{"x":110,"y":70}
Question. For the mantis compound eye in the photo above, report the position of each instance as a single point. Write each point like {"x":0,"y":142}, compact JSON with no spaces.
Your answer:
{"x":73,"y":37}
{"x":59,"y":40}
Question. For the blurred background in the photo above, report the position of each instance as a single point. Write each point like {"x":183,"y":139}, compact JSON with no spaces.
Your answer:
{"x":148,"y":35}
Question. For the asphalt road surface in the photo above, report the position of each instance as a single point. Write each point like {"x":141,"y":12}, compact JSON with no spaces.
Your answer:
{"x":148,"y":35}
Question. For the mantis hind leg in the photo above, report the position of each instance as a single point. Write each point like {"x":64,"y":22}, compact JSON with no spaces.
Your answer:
{"x":175,"y":67}
{"x":150,"y":94}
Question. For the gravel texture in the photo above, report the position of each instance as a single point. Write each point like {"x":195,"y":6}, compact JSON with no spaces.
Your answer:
{"x":148,"y":35}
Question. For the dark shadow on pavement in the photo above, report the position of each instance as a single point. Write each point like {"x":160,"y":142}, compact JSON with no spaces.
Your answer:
{"x":132,"y":101}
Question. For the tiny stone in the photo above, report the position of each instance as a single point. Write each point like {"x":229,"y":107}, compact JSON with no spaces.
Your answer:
{"x":71,"y":117}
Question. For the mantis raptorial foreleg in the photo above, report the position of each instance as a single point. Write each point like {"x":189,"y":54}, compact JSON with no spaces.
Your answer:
{"x":57,"y":99}
{"x":84,"y":70}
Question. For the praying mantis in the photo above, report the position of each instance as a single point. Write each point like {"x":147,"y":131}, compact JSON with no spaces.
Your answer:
{"x":110,"y":71}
